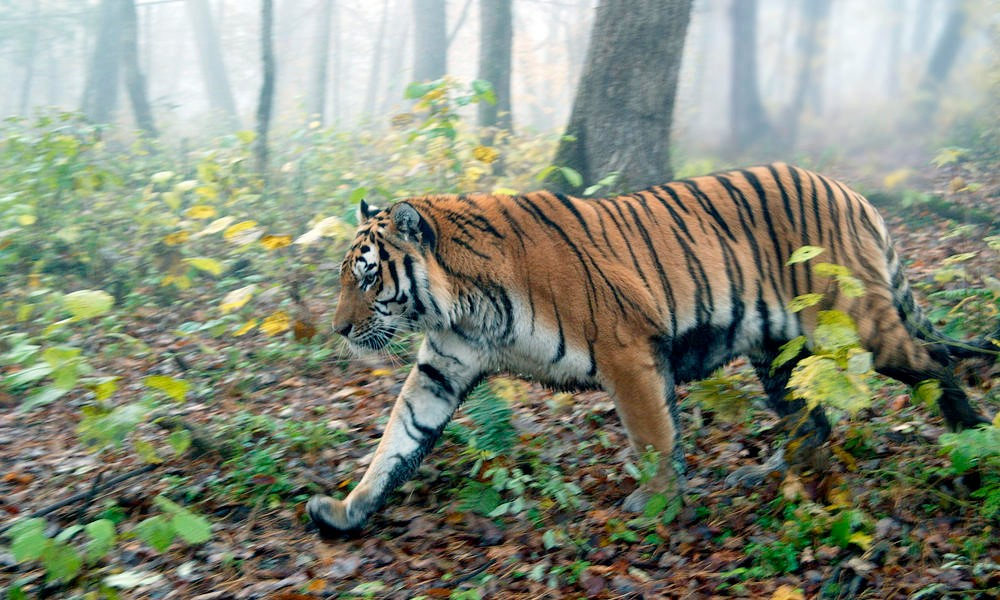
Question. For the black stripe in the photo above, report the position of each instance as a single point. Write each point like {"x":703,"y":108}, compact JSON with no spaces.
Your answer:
{"x":441,"y":382}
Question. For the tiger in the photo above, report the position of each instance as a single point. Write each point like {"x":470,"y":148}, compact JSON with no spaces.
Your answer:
{"x":634,"y":294}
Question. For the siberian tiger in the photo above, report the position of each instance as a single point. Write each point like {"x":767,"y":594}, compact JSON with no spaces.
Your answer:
{"x":632,"y":294}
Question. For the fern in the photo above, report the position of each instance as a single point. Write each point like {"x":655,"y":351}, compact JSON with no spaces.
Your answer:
{"x":490,"y":412}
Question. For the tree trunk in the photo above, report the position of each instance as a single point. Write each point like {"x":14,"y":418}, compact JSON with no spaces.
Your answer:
{"x":941,"y":61}
{"x":29,"y":59}
{"x":430,"y":48}
{"x":316,"y":98}
{"x":375,"y":74}
{"x":337,"y":71}
{"x":812,"y":38}
{"x":625,"y":100}
{"x":747,"y":118}
{"x":266,"y":100}
{"x":400,"y":32}
{"x":100,"y":96}
{"x":135,"y":83}
{"x":213,"y":70}
{"x":496,"y":41}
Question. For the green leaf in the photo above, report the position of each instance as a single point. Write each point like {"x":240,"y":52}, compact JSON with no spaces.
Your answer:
{"x":835,"y":330}
{"x":840,"y":531}
{"x":851,"y":286}
{"x":167,"y":505}
{"x":132,"y":579}
{"x":86,"y":304}
{"x":147,"y":452}
{"x":27,"y":376}
{"x":193,"y":529}
{"x":46,"y":395}
{"x":830,"y":270}
{"x":61,"y":561}
{"x":789,"y":350}
{"x":928,"y":392}
{"x":572,"y":176}
{"x":29,"y":540}
{"x":859,"y":363}
{"x":803,"y":254}
{"x":180,"y":440}
{"x":102,"y":539}
{"x":357,"y":195}
{"x":59,"y":356}
{"x":171,"y":386}
{"x":655,"y":505}
{"x":156,"y":531}
{"x":804,"y":301}
{"x":209,"y":265}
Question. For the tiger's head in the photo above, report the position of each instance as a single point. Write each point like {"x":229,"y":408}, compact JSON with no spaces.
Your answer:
{"x":385,"y":280}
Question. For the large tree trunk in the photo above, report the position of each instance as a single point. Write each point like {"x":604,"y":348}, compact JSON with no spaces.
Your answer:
{"x":316,"y":98}
{"x":213,"y":70}
{"x":395,"y":80}
{"x":100,"y":96}
{"x":135,"y":83}
{"x":747,"y":118}
{"x":624,"y":104}
{"x":812,"y":39}
{"x":375,"y":74}
{"x":497,"y":38}
{"x":266,"y":101}
{"x":430,"y":48}
{"x":939,"y":65}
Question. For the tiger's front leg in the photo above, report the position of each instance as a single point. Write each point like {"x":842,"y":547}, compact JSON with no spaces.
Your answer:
{"x":433,"y":390}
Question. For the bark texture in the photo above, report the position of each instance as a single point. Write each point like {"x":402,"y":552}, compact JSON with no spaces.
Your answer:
{"x":265,"y":103}
{"x":496,"y":43}
{"x":430,"y":43}
{"x":100,"y":95}
{"x":213,"y":70}
{"x":624,"y":103}
{"x":135,"y":82}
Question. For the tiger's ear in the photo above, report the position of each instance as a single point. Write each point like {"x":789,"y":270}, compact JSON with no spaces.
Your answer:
{"x":410,"y":225}
{"x":366,"y":212}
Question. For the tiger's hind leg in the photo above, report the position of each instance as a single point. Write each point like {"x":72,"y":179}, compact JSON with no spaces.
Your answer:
{"x":808,"y":431}
{"x":645,"y":402}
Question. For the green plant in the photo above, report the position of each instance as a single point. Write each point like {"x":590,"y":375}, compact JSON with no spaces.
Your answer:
{"x":979,"y":450}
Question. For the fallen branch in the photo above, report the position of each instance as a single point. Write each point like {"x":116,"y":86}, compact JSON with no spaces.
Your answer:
{"x":89,"y":494}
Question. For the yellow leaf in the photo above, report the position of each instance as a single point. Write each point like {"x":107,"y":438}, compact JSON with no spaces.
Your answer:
{"x":171,"y":386}
{"x":381,"y":372}
{"x":274,"y":242}
{"x":503,"y":191}
{"x":235,"y":299}
{"x":27,"y":220}
{"x":896,"y":177}
{"x":249,"y":325}
{"x":181,"y":282}
{"x":787,"y":592}
{"x":216,"y":226}
{"x":177,"y":238}
{"x":861,"y":540}
{"x":485,"y":154}
{"x":278,"y":322}
{"x":839,"y":498}
{"x":207,"y":191}
{"x":171,"y":199}
{"x":86,"y":304}
{"x":996,"y":420}
{"x":209,"y":265}
{"x":243,"y":233}
{"x":201,"y":211}
{"x":328,"y":227}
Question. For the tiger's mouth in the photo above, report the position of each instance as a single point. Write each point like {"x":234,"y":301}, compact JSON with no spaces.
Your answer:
{"x":372,"y":339}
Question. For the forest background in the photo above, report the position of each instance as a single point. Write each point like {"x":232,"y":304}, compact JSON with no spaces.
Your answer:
{"x":177,"y":185}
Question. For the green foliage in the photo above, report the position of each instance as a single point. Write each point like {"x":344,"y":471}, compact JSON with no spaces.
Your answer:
{"x":488,"y":408}
{"x":727,"y":396}
{"x":176,"y":522}
{"x":978,"y":449}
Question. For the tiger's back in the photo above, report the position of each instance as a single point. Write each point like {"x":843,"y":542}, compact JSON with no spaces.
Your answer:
{"x":632,"y":294}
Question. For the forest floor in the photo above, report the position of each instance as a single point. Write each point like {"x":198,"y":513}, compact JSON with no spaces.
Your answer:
{"x":886,"y":518}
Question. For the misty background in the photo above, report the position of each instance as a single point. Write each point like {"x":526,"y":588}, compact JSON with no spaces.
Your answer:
{"x":830,"y":73}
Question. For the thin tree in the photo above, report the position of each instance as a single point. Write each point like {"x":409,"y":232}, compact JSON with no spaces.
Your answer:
{"x":213,"y":70}
{"x":135,"y":83}
{"x":747,"y":118}
{"x":430,"y":47}
{"x":375,"y":74}
{"x":625,"y":100}
{"x":496,"y":42}
{"x":808,"y":83}
{"x":266,"y":100}
{"x":100,"y":94}
{"x":942,"y":59}
{"x":316,"y":98}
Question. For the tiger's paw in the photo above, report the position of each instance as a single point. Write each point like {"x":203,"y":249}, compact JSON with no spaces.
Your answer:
{"x":330,"y":518}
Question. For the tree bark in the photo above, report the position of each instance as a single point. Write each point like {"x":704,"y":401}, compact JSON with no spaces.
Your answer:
{"x":135,"y":83}
{"x":213,"y":70}
{"x":375,"y":74}
{"x":811,"y":41}
{"x":496,"y":42}
{"x":430,"y":48}
{"x":941,"y":60}
{"x":316,"y":98}
{"x":100,"y":96}
{"x":747,"y":118}
{"x":266,"y":101}
{"x":624,"y":103}
{"x":400,"y":33}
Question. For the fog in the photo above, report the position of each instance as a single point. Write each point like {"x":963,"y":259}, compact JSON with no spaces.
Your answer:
{"x":870,"y":62}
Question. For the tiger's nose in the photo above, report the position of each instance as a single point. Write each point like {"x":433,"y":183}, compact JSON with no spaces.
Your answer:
{"x":343,"y":329}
